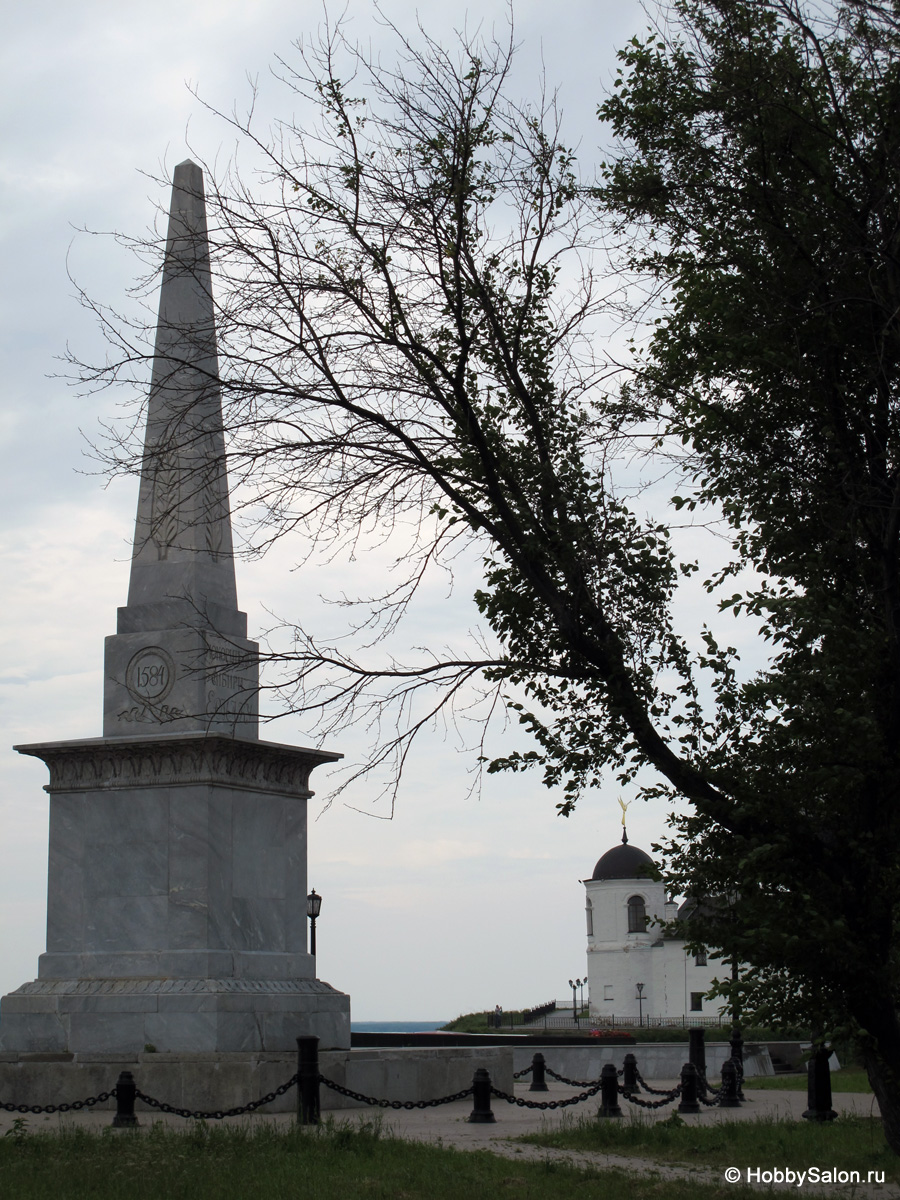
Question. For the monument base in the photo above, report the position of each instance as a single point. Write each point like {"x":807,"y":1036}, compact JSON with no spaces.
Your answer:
{"x":218,"y":1082}
{"x":221,"y":1016}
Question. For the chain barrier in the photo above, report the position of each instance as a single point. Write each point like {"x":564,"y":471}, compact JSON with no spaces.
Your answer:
{"x":582,"y":1083}
{"x":343,"y":1091}
{"x":709,"y":1103}
{"x":647,"y":1088}
{"x":705,"y":1083}
{"x":521,"y":1102}
{"x":592,"y":1088}
{"x":667,"y":1099}
{"x":219,"y":1114}
{"x":75,"y":1106}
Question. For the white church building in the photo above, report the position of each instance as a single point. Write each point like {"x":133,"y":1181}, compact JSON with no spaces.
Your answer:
{"x":636,"y":971}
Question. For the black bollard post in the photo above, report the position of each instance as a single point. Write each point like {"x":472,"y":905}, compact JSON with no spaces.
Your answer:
{"x":308,"y":1081}
{"x":728,"y":1097}
{"x":125,"y":1092}
{"x":609,"y":1092}
{"x":818,"y":1087}
{"x":689,"y":1089}
{"x":629,"y":1074}
{"x":538,"y":1082}
{"x":481,"y":1096}
{"x":737,"y":1054}
{"x":697,"y":1055}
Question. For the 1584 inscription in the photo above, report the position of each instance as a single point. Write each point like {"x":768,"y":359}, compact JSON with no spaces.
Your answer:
{"x":150,"y":674}
{"x":149,"y":678}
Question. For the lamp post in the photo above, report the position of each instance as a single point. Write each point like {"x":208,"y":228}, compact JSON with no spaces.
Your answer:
{"x":581,"y":983}
{"x":575,"y":984}
{"x":313,"y":908}
{"x":640,"y":1000}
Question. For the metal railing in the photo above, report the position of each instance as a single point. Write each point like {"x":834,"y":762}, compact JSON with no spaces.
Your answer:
{"x":686,"y":1021}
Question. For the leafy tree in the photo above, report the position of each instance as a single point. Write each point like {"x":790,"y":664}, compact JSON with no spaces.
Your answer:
{"x":412,"y":336}
{"x":759,"y":180}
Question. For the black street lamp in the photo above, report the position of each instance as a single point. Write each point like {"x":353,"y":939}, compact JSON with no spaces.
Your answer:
{"x":640,"y":1000}
{"x":313,"y":908}
{"x":575,"y":984}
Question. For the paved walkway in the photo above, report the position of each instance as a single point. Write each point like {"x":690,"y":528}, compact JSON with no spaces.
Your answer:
{"x":448,"y":1125}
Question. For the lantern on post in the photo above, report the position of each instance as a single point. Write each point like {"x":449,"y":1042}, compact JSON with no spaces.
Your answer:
{"x":313,"y":908}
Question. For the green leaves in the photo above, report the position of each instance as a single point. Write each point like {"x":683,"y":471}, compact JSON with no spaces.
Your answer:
{"x":754,"y":180}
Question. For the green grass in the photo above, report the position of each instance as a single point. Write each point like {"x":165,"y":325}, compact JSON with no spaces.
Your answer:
{"x":850,"y":1143}
{"x":482,"y":1022}
{"x":847,"y":1079}
{"x":334,"y":1163}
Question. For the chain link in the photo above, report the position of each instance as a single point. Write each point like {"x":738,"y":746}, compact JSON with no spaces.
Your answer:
{"x":75,"y":1106}
{"x":524,"y":1071}
{"x":343,"y":1091}
{"x":582,"y":1083}
{"x":653,"y":1091}
{"x":632,"y":1099}
{"x":714,"y":1091}
{"x":523,"y":1103}
{"x":219,"y":1114}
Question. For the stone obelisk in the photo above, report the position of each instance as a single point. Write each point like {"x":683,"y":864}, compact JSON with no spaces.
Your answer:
{"x":177,"y":868}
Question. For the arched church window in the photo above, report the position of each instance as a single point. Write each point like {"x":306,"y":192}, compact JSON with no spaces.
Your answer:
{"x":589,"y":912}
{"x":637,"y":915}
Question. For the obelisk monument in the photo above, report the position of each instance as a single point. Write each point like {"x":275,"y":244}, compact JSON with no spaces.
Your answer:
{"x":177,"y":870}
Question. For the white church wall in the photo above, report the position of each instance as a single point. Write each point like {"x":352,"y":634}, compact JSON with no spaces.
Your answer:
{"x":619,"y":958}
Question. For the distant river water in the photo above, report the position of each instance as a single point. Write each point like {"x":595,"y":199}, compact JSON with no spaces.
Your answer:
{"x":395,"y":1026}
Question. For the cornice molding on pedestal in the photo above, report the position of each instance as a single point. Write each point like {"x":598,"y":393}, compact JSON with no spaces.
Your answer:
{"x":172,"y":987}
{"x":100,"y":764}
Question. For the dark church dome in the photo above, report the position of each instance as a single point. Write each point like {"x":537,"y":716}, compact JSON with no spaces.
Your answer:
{"x":624,"y":862}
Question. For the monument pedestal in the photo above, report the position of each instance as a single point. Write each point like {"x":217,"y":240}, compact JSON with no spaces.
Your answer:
{"x":222,"y":1016}
{"x":176,"y":901}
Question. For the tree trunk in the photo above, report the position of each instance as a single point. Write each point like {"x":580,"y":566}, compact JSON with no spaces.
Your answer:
{"x":881,"y":1055}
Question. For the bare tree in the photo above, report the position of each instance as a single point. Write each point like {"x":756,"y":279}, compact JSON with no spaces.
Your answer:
{"x":408,"y":315}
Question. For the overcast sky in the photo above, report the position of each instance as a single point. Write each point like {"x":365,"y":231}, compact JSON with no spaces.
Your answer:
{"x":461,"y":901}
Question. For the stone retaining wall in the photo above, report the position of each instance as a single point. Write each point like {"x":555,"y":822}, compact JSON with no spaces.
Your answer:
{"x":210,"y":1082}
{"x":656,"y":1060}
